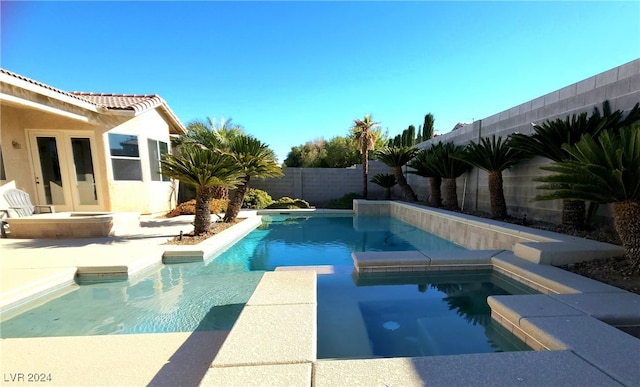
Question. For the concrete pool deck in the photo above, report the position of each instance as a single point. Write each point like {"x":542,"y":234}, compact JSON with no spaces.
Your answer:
{"x":274,"y":340}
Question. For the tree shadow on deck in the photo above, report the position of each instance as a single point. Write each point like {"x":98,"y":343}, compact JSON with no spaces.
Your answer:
{"x":190,"y":363}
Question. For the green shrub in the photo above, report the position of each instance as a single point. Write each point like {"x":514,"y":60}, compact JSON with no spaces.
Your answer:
{"x":288,"y":203}
{"x":217,"y":206}
{"x":256,"y":199}
{"x":345,"y":202}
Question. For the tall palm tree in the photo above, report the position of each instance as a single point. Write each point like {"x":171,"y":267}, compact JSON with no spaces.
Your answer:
{"x":449,"y":167}
{"x":386,"y":181}
{"x":423,"y":164}
{"x":365,"y":136}
{"x":396,"y":158}
{"x":255,"y":160}
{"x":212,"y":134}
{"x":604,"y":170}
{"x":203,"y":169}
{"x":494,"y":156}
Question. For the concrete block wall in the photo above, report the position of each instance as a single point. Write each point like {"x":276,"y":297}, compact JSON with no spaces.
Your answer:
{"x":319,"y":185}
{"x":620,"y":85}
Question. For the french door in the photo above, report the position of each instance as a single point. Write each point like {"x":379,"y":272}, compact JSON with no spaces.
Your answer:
{"x":64,"y":167}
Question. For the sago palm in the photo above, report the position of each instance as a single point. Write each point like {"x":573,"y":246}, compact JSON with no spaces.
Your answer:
{"x":365,"y":136}
{"x":211,"y":134}
{"x":494,"y":156}
{"x":386,"y":181}
{"x":255,"y":159}
{"x":547,"y":140}
{"x":423,"y":164}
{"x":604,"y":170}
{"x":204,"y":170}
{"x":450,"y":168}
{"x":396,"y":158}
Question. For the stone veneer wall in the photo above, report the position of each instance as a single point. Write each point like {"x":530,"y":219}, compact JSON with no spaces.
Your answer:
{"x":620,"y":85}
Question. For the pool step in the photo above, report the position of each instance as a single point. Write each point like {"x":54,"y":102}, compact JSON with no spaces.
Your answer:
{"x":398,"y":261}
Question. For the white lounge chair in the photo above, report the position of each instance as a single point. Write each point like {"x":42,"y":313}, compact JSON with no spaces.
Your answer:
{"x":20,"y":205}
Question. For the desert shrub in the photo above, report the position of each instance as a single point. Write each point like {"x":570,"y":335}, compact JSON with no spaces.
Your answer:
{"x":288,"y":203}
{"x":256,"y":199}
{"x":345,"y":202}
{"x":216,"y":206}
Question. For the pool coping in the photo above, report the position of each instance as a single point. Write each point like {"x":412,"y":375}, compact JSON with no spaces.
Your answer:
{"x":572,"y":360}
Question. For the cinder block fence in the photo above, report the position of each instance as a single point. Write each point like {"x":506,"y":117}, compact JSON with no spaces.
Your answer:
{"x":620,"y":86}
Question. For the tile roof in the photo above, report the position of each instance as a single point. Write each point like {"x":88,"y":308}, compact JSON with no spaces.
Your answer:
{"x":40,"y":84}
{"x":118,"y":102}
{"x":135,"y":102}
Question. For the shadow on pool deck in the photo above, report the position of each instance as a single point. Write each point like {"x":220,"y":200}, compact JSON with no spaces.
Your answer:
{"x":188,"y":365}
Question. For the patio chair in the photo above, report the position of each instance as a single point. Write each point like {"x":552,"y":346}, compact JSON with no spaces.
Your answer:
{"x":20,"y":204}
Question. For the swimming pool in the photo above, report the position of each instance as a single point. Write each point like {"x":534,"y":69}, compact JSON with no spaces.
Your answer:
{"x":412,"y":314}
{"x":211,"y":294}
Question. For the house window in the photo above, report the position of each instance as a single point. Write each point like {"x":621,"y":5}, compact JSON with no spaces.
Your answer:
{"x":125,"y":157}
{"x":156,"y":150}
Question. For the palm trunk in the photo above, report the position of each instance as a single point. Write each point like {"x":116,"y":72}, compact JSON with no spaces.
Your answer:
{"x":237,"y":198}
{"x":202,"y":218}
{"x":436,"y":195}
{"x":387,"y":193}
{"x":365,"y":173}
{"x":404,"y":186}
{"x":496,"y":195}
{"x":626,"y":216}
{"x":449,"y":189}
{"x":220,"y":193}
{"x":573,"y":213}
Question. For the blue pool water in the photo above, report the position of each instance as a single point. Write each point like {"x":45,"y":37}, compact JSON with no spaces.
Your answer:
{"x":210,"y":295}
{"x":412,"y":314}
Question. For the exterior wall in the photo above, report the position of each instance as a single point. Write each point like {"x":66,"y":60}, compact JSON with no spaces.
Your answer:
{"x":319,"y":185}
{"x":620,"y":85}
{"x":144,"y":197}
{"x":15,"y":145}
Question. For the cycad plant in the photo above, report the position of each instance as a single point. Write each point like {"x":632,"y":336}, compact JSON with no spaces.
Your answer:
{"x":450,"y":167}
{"x":386,"y":181}
{"x":423,"y":164}
{"x":365,"y":135}
{"x":396,"y":158}
{"x":255,"y":159}
{"x":211,"y":134}
{"x":548,"y":139}
{"x":204,"y":169}
{"x":604,"y":170}
{"x":494,"y":156}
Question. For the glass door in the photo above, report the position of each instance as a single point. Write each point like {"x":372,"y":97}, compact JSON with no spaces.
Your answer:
{"x":87,"y":193}
{"x":50,"y":179}
{"x":64,"y":170}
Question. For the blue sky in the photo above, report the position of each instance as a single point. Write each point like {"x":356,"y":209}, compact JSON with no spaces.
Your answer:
{"x":290,"y":72}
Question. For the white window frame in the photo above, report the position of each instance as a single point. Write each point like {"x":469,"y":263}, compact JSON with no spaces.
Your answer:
{"x":125,"y":158}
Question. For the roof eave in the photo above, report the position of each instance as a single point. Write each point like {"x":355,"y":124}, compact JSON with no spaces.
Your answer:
{"x":22,"y":84}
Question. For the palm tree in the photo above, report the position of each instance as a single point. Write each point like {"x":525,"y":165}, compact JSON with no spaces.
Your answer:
{"x":365,"y":136}
{"x":203,"y":169}
{"x":547,"y":140}
{"x":212,"y":134}
{"x":386,"y":181}
{"x":494,"y":156}
{"x":423,"y":164}
{"x":449,"y":167}
{"x":255,"y":160}
{"x":604,"y":170}
{"x":396,"y":158}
